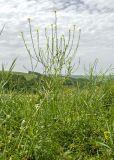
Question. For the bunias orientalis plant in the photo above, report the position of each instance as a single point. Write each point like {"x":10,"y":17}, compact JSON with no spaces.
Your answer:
{"x":56,"y":57}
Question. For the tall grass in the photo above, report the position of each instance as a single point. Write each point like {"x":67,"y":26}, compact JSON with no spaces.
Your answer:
{"x":59,"y":122}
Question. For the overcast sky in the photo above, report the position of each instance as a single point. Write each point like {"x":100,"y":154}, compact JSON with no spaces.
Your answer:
{"x":94,"y":17}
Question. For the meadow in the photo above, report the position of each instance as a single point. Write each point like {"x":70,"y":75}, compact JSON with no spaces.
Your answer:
{"x":54,"y":117}
{"x":67,"y":122}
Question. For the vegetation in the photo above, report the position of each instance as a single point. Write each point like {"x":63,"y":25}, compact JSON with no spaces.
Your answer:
{"x":56,"y":117}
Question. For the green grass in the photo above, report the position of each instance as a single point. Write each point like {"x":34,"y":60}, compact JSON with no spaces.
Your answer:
{"x":63,"y":124}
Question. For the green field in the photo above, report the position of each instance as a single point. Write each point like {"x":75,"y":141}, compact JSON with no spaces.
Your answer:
{"x":62,"y":123}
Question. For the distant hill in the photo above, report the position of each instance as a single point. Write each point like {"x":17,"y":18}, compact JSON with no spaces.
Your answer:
{"x":79,"y":76}
{"x":31,"y":75}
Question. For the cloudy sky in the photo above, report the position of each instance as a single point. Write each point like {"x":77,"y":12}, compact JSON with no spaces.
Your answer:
{"x":94,"y":17}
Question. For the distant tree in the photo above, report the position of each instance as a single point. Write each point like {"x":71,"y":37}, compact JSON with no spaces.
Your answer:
{"x":16,"y":82}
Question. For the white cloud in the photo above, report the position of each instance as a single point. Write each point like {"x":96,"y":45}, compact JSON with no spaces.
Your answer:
{"x":94,"y":17}
{"x":100,"y":4}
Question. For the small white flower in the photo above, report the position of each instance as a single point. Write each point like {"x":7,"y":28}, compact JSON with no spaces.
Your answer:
{"x":22,"y":125}
{"x":23,"y":122}
{"x":37,"y":106}
{"x":7,"y":116}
